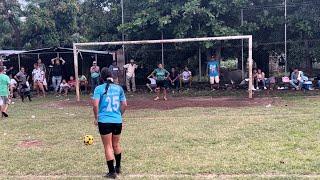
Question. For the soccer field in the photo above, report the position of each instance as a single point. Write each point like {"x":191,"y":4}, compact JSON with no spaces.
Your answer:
{"x":43,"y":139}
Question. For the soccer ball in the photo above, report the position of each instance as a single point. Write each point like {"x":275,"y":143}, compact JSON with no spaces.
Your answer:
{"x":88,"y":139}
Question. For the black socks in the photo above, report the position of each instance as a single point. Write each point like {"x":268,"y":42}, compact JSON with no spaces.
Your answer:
{"x":118,"y":160}
{"x":110,"y":166}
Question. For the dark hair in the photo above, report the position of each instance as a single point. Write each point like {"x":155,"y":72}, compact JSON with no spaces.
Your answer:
{"x":106,"y":75}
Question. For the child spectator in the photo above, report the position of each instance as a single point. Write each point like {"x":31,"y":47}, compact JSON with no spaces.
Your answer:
{"x":186,"y":77}
{"x":83,"y":83}
{"x":64,"y":87}
{"x":174,"y":79}
{"x":152,"y":85}
{"x":260,"y":78}
{"x":72,"y":83}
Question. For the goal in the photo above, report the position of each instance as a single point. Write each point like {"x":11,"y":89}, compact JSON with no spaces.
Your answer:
{"x":76,"y":47}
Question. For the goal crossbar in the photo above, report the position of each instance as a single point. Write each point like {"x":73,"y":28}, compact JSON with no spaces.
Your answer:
{"x":165,"y":41}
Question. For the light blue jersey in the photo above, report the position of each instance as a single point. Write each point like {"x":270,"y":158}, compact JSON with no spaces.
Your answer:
{"x":109,"y":103}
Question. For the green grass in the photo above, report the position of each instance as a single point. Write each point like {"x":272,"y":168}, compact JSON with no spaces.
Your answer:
{"x":177,"y":144}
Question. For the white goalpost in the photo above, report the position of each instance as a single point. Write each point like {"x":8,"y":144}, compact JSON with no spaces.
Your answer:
{"x":164,"y":41}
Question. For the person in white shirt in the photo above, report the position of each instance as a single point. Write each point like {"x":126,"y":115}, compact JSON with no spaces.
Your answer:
{"x":13,"y":86}
{"x":64,"y":86}
{"x":153,"y":83}
{"x":186,"y":77}
{"x":38,"y":77}
{"x":130,"y":75}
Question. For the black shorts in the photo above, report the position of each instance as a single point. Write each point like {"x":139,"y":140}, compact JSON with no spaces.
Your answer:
{"x":107,"y":128}
{"x":161,"y":84}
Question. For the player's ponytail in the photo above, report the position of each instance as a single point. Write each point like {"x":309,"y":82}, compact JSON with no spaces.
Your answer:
{"x":107,"y":78}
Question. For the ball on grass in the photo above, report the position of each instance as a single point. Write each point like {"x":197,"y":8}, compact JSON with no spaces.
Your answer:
{"x":88,"y":139}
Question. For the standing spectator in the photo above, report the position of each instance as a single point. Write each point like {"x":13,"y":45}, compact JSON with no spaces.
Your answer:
{"x":130,"y":75}
{"x":214,"y":72}
{"x":260,"y":78}
{"x":38,"y":79}
{"x":95,"y":75}
{"x":23,"y":84}
{"x":5,"y":67}
{"x":174,"y":79}
{"x":57,"y":72}
{"x":115,"y":71}
{"x":186,"y":77}
{"x":42,"y":67}
{"x":4,"y":92}
{"x":161,"y":75}
{"x":297,"y":79}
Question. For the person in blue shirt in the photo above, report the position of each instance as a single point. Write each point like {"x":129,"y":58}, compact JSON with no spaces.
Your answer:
{"x":213,"y":72}
{"x":109,"y":105}
{"x":297,"y":79}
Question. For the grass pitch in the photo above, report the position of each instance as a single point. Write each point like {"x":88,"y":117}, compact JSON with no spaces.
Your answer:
{"x":43,"y":139}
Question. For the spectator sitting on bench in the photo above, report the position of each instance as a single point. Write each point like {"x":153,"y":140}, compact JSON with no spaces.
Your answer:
{"x":64,"y":87}
{"x":83,"y":83}
{"x":186,"y":78}
{"x":297,"y":79}
{"x":72,"y":83}
{"x":260,"y":78}
{"x":152,"y":84}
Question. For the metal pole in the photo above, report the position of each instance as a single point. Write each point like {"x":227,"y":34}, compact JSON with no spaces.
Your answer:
{"x":200,"y":70}
{"x":242,"y":50}
{"x":250,"y":69}
{"x":19,"y":61}
{"x":122,"y":22}
{"x":76,"y":73}
{"x":162,"y":53}
{"x":285,"y":36}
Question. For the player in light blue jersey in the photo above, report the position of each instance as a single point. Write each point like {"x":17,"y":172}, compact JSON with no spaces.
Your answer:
{"x":109,"y":104}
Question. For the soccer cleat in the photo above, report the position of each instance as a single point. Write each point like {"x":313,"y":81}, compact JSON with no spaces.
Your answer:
{"x":5,"y":114}
{"x":156,"y":99}
{"x":165,"y":98}
{"x":118,"y":170}
{"x":111,"y":176}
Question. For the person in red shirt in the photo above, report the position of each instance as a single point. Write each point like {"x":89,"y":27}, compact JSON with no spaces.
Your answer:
{"x":72,"y":83}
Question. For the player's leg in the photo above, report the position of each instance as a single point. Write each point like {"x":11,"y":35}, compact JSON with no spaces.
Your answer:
{"x":5,"y":105}
{"x":105,"y":130}
{"x":133,"y":81}
{"x":116,"y":146}
{"x":217,"y":80}
{"x":128,"y":83}
{"x":165,"y":93}
{"x":158,"y":90}
{"x":41,"y":87}
{"x":211,"y":82}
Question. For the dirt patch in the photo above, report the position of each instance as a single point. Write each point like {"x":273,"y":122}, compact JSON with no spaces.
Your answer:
{"x":180,"y":102}
{"x":146,"y":102}
{"x":30,"y":143}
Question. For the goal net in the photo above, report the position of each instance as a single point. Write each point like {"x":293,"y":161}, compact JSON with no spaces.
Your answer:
{"x":160,"y":55}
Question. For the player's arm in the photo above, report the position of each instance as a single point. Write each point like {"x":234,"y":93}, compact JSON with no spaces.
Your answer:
{"x":52,"y":61}
{"x":123,"y":107}
{"x":63,"y":61}
{"x":95,"y":105}
{"x":123,"y":102}
{"x":168,"y":74}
